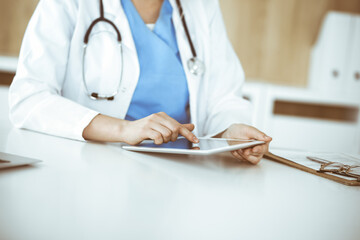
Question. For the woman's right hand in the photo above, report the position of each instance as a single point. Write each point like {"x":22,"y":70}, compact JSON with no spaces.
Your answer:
{"x":158,"y":127}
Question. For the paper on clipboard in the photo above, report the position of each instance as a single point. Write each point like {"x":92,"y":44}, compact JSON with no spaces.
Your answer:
{"x":301,"y":159}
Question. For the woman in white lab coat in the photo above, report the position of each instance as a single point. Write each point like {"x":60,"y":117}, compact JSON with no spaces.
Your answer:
{"x":58,"y":86}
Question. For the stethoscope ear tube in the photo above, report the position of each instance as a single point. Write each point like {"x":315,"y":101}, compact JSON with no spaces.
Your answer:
{"x":100,"y":19}
{"x":95,"y":95}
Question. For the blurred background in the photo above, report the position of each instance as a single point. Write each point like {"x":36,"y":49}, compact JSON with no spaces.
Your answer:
{"x":301,"y":59}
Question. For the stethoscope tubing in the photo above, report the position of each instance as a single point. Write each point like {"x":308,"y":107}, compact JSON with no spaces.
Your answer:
{"x":97,"y":96}
{"x":183,"y":20}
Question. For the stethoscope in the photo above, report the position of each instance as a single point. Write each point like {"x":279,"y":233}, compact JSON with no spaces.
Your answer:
{"x":195,"y":66}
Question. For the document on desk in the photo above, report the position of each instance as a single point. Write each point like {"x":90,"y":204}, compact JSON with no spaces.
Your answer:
{"x":340,"y":167}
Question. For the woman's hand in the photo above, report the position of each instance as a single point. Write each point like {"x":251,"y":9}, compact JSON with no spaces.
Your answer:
{"x":159,"y":127}
{"x":242,"y":131}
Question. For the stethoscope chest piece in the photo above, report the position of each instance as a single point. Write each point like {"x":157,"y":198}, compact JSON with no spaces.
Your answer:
{"x":196,"y":66}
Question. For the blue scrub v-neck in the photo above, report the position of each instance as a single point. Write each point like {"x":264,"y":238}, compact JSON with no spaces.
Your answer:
{"x":162,"y":84}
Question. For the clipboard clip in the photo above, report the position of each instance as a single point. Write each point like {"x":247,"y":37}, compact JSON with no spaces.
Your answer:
{"x":336,"y":168}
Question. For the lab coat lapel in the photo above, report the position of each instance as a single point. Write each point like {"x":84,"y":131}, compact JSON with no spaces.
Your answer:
{"x":185,"y":54}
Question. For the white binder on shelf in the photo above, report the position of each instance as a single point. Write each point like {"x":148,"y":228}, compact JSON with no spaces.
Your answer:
{"x":330,"y":57}
{"x":352,"y":81}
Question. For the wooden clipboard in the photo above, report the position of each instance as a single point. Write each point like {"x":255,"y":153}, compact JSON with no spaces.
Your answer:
{"x":336,"y":178}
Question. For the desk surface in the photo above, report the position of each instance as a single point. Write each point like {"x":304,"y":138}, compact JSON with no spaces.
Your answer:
{"x":99,"y":191}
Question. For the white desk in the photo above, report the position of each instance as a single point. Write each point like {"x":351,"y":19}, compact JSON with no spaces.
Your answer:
{"x":98,"y":191}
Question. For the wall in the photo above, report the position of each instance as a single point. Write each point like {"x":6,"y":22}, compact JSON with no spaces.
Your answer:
{"x":14,"y":16}
{"x":272,"y":38}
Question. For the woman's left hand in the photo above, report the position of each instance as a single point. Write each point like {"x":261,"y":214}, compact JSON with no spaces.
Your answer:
{"x":243,"y":131}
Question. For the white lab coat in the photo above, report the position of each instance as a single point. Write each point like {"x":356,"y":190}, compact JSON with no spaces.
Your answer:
{"x":47,"y":94}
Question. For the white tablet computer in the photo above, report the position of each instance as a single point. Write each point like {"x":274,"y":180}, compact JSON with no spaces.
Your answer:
{"x":206,"y":146}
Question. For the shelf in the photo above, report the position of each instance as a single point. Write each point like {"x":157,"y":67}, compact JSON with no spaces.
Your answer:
{"x":8,"y":64}
{"x":301,"y":95}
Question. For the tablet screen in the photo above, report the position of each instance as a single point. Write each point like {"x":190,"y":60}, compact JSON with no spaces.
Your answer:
{"x":204,"y":144}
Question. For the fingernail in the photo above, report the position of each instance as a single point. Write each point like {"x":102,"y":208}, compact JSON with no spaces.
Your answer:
{"x":195,"y":139}
{"x":267,"y":137}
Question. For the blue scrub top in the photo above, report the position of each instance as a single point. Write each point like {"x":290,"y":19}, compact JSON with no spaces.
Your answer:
{"x":162,"y":85}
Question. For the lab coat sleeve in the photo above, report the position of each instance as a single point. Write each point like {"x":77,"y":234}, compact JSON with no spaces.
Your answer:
{"x":225,"y":105}
{"x":35,"y":95}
